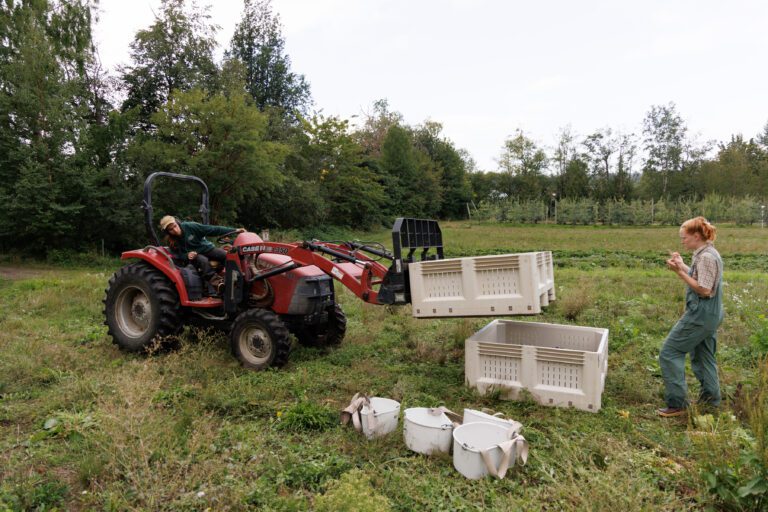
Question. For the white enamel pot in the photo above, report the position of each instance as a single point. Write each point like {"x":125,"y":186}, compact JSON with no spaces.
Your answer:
{"x":472,"y":438}
{"x":385,"y":412}
{"x":473,"y":416}
{"x":426,"y":432}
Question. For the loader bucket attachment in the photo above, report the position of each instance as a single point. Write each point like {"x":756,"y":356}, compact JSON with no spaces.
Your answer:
{"x":408,"y":236}
{"x":413,"y":234}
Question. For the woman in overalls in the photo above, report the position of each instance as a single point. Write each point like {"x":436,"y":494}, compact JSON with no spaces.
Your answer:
{"x":696,"y":331}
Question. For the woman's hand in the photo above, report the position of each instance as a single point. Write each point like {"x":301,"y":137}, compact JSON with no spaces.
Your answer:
{"x":672,"y":265}
{"x":675,"y":262}
{"x":192,"y":255}
{"x":677,"y":259}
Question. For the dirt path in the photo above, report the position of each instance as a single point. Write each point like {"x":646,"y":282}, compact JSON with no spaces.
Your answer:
{"x":15,"y":273}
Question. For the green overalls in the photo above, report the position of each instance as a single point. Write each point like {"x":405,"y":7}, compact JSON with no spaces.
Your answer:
{"x":695,"y":332}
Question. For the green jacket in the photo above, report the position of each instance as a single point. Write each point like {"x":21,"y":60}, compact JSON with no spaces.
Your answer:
{"x":193,"y":238}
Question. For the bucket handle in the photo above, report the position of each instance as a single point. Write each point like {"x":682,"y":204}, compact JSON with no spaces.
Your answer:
{"x":352,"y":412}
{"x":516,"y":443}
{"x":456,"y":420}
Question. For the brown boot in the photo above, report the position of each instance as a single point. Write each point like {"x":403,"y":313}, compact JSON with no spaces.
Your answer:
{"x":670,"y":412}
{"x":218,"y":283}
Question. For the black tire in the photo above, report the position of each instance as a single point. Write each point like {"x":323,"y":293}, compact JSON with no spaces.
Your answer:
{"x":259,"y":339}
{"x":329,"y":334}
{"x":140,"y":305}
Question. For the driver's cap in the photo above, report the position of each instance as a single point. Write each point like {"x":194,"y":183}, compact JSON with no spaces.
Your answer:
{"x":166,"y":221}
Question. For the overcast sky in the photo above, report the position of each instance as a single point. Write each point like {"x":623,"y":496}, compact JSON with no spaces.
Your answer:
{"x":484,"y":68}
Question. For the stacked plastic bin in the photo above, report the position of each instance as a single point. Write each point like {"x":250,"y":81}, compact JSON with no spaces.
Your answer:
{"x":559,"y":365}
{"x":505,"y":284}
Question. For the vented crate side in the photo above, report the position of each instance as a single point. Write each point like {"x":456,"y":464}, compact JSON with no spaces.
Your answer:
{"x":499,"y":285}
{"x":560,"y":365}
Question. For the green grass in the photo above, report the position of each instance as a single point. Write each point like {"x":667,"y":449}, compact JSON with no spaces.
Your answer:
{"x":84,"y":426}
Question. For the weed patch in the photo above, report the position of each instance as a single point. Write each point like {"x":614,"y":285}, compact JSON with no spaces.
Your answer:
{"x":352,"y":493}
{"x":306,"y":416}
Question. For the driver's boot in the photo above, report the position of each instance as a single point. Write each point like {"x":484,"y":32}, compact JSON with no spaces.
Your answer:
{"x":218,"y":283}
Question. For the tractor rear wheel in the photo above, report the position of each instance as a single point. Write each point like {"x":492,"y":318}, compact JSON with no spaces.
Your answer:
{"x":140,"y":305}
{"x":260,"y":339}
{"x":328,"y":334}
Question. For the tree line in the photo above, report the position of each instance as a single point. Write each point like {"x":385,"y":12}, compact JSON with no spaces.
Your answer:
{"x":662,"y":163}
{"x":77,"y":142}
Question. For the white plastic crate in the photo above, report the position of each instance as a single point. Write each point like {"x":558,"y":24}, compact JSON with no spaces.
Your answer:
{"x":505,"y":284}
{"x":546,"y":277}
{"x":545,"y":266}
{"x":560,"y":365}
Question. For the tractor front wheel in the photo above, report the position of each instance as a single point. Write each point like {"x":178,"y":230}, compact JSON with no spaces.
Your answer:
{"x":329,"y":334}
{"x":140,"y":305}
{"x":260,"y":339}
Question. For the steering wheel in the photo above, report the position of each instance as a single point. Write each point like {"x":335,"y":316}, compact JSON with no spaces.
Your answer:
{"x":224,"y":239}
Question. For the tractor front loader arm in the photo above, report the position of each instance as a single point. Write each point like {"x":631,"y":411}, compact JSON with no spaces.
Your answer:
{"x":358,"y":274}
{"x":347,"y":262}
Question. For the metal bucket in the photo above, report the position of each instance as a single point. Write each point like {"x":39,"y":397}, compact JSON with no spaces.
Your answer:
{"x":385,"y":413}
{"x":426,"y":432}
{"x":473,"y":416}
{"x":470,"y":439}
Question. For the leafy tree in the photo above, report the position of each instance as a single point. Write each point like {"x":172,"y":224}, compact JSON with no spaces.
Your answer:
{"x":410,"y":180}
{"x":376,"y":126}
{"x":428,"y":183}
{"x":352,"y":193}
{"x":622,"y":185}
{"x":669,"y":151}
{"x":486,"y":186}
{"x":572,"y":176}
{"x":451,"y":165}
{"x":219,"y":137}
{"x":664,"y":133}
{"x":739,"y":169}
{"x":259,"y":44}
{"x":44,"y":108}
{"x":293,"y":203}
{"x":610,"y":157}
{"x":174,"y":53}
{"x":762,"y":138}
{"x":574,"y":181}
{"x":599,"y":148}
{"x":565,"y":150}
{"x":523,"y":163}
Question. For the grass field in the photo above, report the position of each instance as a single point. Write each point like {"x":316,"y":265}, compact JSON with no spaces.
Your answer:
{"x":86,"y":427}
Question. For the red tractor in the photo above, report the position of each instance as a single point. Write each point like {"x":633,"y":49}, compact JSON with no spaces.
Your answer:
{"x":271,"y":289}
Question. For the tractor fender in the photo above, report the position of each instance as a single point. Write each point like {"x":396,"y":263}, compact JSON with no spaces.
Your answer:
{"x":161,"y":260}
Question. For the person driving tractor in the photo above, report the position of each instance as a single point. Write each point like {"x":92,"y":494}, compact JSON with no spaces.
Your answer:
{"x":188,"y":244}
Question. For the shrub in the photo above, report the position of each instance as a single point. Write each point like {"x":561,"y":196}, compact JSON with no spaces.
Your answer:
{"x":714,"y":207}
{"x":314,"y":472}
{"x":352,"y":493}
{"x":759,"y":336}
{"x":33,"y":494}
{"x":739,"y":481}
{"x":619,"y":212}
{"x":576,"y":301}
{"x":745,"y":211}
{"x":305,"y":416}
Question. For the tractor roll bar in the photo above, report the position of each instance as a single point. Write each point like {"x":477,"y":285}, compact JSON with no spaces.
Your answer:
{"x":146,"y":205}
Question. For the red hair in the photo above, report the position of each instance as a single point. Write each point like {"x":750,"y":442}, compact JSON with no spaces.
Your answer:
{"x":701,"y":226}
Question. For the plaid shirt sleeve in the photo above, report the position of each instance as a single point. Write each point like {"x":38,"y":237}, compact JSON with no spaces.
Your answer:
{"x":706,"y":271}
